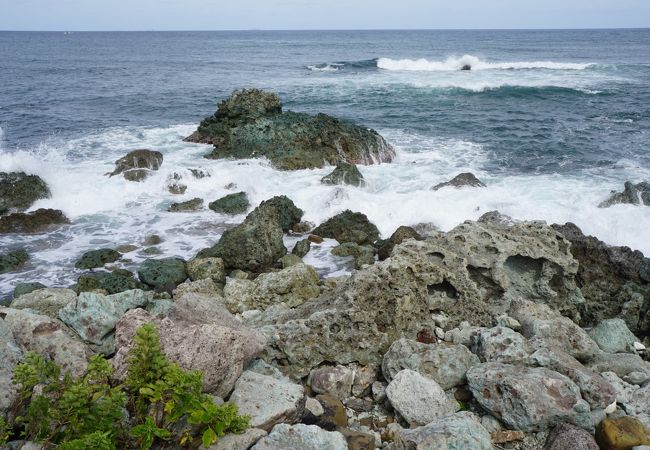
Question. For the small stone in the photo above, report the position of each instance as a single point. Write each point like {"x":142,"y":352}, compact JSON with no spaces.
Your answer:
{"x":315,"y":239}
{"x":364,"y":377}
{"x":569,"y":437}
{"x":314,"y":407}
{"x":334,"y":413}
{"x":505,"y":436}
{"x":466,"y":179}
{"x":622,"y":434}
{"x":332,"y":380}
{"x":242,"y":441}
{"x":507,"y":321}
{"x":379,"y":391}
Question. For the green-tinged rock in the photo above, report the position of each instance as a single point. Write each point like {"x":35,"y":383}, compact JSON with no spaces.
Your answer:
{"x":112,"y":282}
{"x":4,"y":209}
{"x":251,"y":124}
{"x":362,"y":254}
{"x":26,"y":288}
{"x":45,"y":301}
{"x":19,"y":191}
{"x":207,"y":268}
{"x":138,"y":159}
{"x":231,"y":204}
{"x":163,"y":274}
{"x":301,"y":248}
{"x":288,"y":213}
{"x":349,"y":226}
{"x":196,"y":204}
{"x":38,"y":221}
{"x":613,"y":336}
{"x":345,"y":173}
{"x":13,"y":260}
{"x":97,"y":258}
{"x":622,"y":434}
{"x":290,"y":260}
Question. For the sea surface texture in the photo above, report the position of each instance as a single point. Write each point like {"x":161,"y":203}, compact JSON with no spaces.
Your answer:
{"x":551,"y":121}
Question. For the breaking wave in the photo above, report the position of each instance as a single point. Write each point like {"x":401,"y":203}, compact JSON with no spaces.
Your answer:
{"x":457,"y":63}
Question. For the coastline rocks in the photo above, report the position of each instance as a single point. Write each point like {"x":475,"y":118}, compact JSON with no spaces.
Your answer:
{"x":304,"y":437}
{"x":349,"y":226}
{"x":251,"y":124}
{"x":418,"y":399}
{"x":288,"y":213}
{"x":207,"y":268}
{"x":528,"y":399}
{"x":362,"y":254}
{"x":345,"y":173}
{"x":301,"y":248}
{"x":336,"y":381}
{"x":10,"y":356}
{"x":45,"y":301}
{"x":569,"y":437}
{"x":35,"y":222}
{"x":26,"y":288}
{"x":114,"y":282}
{"x":613,"y":336}
{"x":13,"y":260}
{"x":465,"y":179}
{"x":634,"y":194}
{"x":268,"y":400}
{"x":19,"y":191}
{"x":447,"y":364}
{"x":500,"y":344}
{"x":622,"y":434}
{"x":231,"y":204}
{"x":221,"y":352}
{"x":195,"y":204}
{"x":162,"y":274}
{"x":137,"y":164}
{"x":97,"y":258}
{"x":242,"y":441}
{"x":385,"y":248}
{"x":458,"y":431}
{"x":292,"y":286}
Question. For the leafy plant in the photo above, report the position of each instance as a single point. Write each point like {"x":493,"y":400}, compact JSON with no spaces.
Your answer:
{"x":5,"y":432}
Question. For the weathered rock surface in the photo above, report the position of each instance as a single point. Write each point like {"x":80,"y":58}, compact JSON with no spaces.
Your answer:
{"x":622,"y":434}
{"x":242,"y":441}
{"x":97,"y":258}
{"x":447,"y":364}
{"x":613,"y":336}
{"x":385,"y":248}
{"x":570,"y":437}
{"x":345,"y":173}
{"x":221,"y":352}
{"x":500,"y":344}
{"x":418,"y":399}
{"x":45,"y":301}
{"x":197,"y":309}
{"x":112,"y":282}
{"x":304,"y":437}
{"x":622,"y":364}
{"x":10,"y":356}
{"x":465,"y":179}
{"x":528,"y":399}
{"x":268,"y":400}
{"x":292,"y":286}
{"x":459,"y":431}
{"x":207,"y":268}
{"x":336,"y":381}
{"x":251,"y":124}
{"x":289,"y":214}
{"x":163,"y":274}
{"x":349,"y":226}
{"x":19,"y":191}
{"x":635,"y":194}
{"x":13,"y":260}
{"x":301,"y":248}
{"x":362,"y":254}
{"x":231,"y":204}
{"x":26,"y":288}
{"x":38,"y":221}
{"x":195,"y":204}
{"x":135,"y":165}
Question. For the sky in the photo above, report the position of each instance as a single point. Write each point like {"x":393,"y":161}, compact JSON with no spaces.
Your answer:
{"x":86,"y":15}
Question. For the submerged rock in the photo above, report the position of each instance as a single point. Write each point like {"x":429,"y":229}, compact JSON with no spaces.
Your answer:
{"x":345,"y":173}
{"x":251,"y":124}
{"x":137,"y":164}
{"x":231,"y":204}
{"x":462,"y":180}
{"x":13,"y":260}
{"x":19,"y":191}
{"x":349,"y":226}
{"x":38,"y":221}
{"x":635,"y":194}
{"x":97,"y":258}
{"x":301,"y":248}
{"x":195,"y":204}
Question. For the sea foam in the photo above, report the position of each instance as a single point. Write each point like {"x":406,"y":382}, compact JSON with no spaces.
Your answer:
{"x":457,"y":63}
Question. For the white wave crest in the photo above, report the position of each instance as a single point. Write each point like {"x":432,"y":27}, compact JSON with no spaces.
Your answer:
{"x":331,"y":67}
{"x":457,"y":63}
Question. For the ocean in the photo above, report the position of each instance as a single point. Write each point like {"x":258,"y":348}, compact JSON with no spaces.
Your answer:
{"x":551,"y":121}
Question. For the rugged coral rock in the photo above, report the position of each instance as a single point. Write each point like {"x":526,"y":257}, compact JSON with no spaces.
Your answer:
{"x":97,"y":258}
{"x":19,"y":191}
{"x":336,"y":381}
{"x":112,"y":282}
{"x":195,"y":204}
{"x":289,"y":214}
{"x":461,"y":180}
{"x":13,"y":260}
{"x":251,"y":124}
{"x":206,"y":268}
{"x":635,"y":194}
{"x":38,"y":221}
{"x":163,"y":274}
{"x":349,"y":226}
{"x":301,"y":248}
{"x":345,"y":173}
{"x":45,"y":301}
{"x":385,"y":248}
{"x":137,"y":164}
{"x":231,"y":204}
{"x":362,"y":254}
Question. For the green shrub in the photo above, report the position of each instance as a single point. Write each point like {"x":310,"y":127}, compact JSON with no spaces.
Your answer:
{"x":158,"y":403}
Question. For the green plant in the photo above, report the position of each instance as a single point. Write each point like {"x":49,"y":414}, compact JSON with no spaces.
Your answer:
{"x":5,"y":432}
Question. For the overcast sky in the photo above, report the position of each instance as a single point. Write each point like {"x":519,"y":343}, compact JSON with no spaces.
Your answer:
{"x":319,"y":14}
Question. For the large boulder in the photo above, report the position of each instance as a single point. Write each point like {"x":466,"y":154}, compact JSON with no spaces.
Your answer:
{"x":119,"y":280}
{"x":303,"y":437}
{"x":38,"y":221}
{"x":500,"y":344}
{"x":163,"y":274}
{"x":344,"y":173}
{"x":349,"y":226}
{"x":231,"y":204}
{"x":613,"y":336}
{"x":635,"y":194}
{"x":19,"y":191}
{"x":45,"y":301}
{"x":288,"y":213}
{"x":528,"y":399}
{"x":97,"y":258}
{"x":466,"y":179}
{"x":137,"y":164}
{"x":459,"y":431}
{"x":13,"y":260}
{"x":251,"y":124}
{"x":206,"y":268}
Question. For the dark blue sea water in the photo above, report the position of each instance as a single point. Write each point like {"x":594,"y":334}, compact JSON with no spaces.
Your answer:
{"x":551,"y":120}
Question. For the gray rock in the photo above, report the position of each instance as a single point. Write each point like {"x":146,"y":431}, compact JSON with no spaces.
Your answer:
{"x":268,"y":400}
{"x":46,"y":301}
{"x":301,"y":248}
{"x":459,"y":431}
{"x":624,"y":391}
{"x":418,"y":399}
{"x":290,"y":260}
{"x":570,"y":437}
{"x":362,"y":254}
{"x":500,"y":344}
{"x":385,"y":248}
{"x":639,"y":404}
{"x":444,"y":363}
{"x":138,"y":159}
{"x":204,"y":287}
{"x":26,"y":288}
{"x":613,"y":336}
{"x":635,"y":194}
{"x":195,"y":204}
{"x":242,"y":441}
{"x":204,"y":268}
{"x":466,"y":179}
{"x":303,"y":437}
{"x":622,"y":364}
{"x":10,"y":356}
{"x":345,"y":173}
{"x":231,"y":204}
{"x":336,"y":381}
{"x":528,"y":399}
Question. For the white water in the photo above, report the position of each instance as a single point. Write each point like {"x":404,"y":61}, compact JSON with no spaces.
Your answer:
{"x":456,"y":63}
{"x":107,"y":212}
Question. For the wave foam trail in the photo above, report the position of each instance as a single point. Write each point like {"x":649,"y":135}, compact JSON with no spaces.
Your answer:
{"x":457,"y":63}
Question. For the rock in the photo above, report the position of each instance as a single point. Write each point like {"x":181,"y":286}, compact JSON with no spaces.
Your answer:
{"x":112,"y":282}
{"x":10,"y":356}
{"x":505,"y":436}
{"x":301,"y":248}
{"x":624,"y":391}
{"x":175,"y":187}
{"x":292,"y":286}
{"x":26,"y":288}
{"x":163,"y":274}
{"x":94,"y":317}
{"x":570,"y":437}
{"x":385,"y":249}
{"x":242,"y":441}
{"x":621,"y":434}
{"x":345,"y":173}
{"x":219,"y":351}
{"x":48,"y":337}
{"x":458,"y":431}
{"x":231,"y":204}
{"x":253,"y":245}
{"x":528,"y":399}
{"x":622,"y":364}
{"x":364,"y":378}
{"x":444,"y":363}
{"x":251,"y":124}
{"x":35,"y":222}
{"x":12,"y":261}
{"x":198,"y":309}
{"x":45,"y":301}
{"x":207,"y":268}
{"x":196,"y":204}
{"x":313,"y":407}
{"x":315,"y":239}
{"x":363,"y":254}
{"x":462,"y":180}
{"x":418,"y":399}
{"x":290,"y":260}
{"x":19,"y":191}
{"x":639,"y":404}
{"x":137,"y":159}
{"x":349,"y":226}
{"x":613,"y":336}
{"x":289,"y":214}
{"x":336,"y":381}
{"x":496,"y":218}
{"x":635,"y":194}
{"x":97,"y":258}
{"x":466,"y":67}
{"x":304,"y":437}
{"x":500,"y":344}
{"x":205,"y":287}
{"x":334,"y":413}
{"x":152,"y":239}
{"x":358,"y":440}
{"x":136,"y":175}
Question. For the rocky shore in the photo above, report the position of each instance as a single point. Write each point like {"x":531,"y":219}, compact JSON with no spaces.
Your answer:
{"x":498,"y":334}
